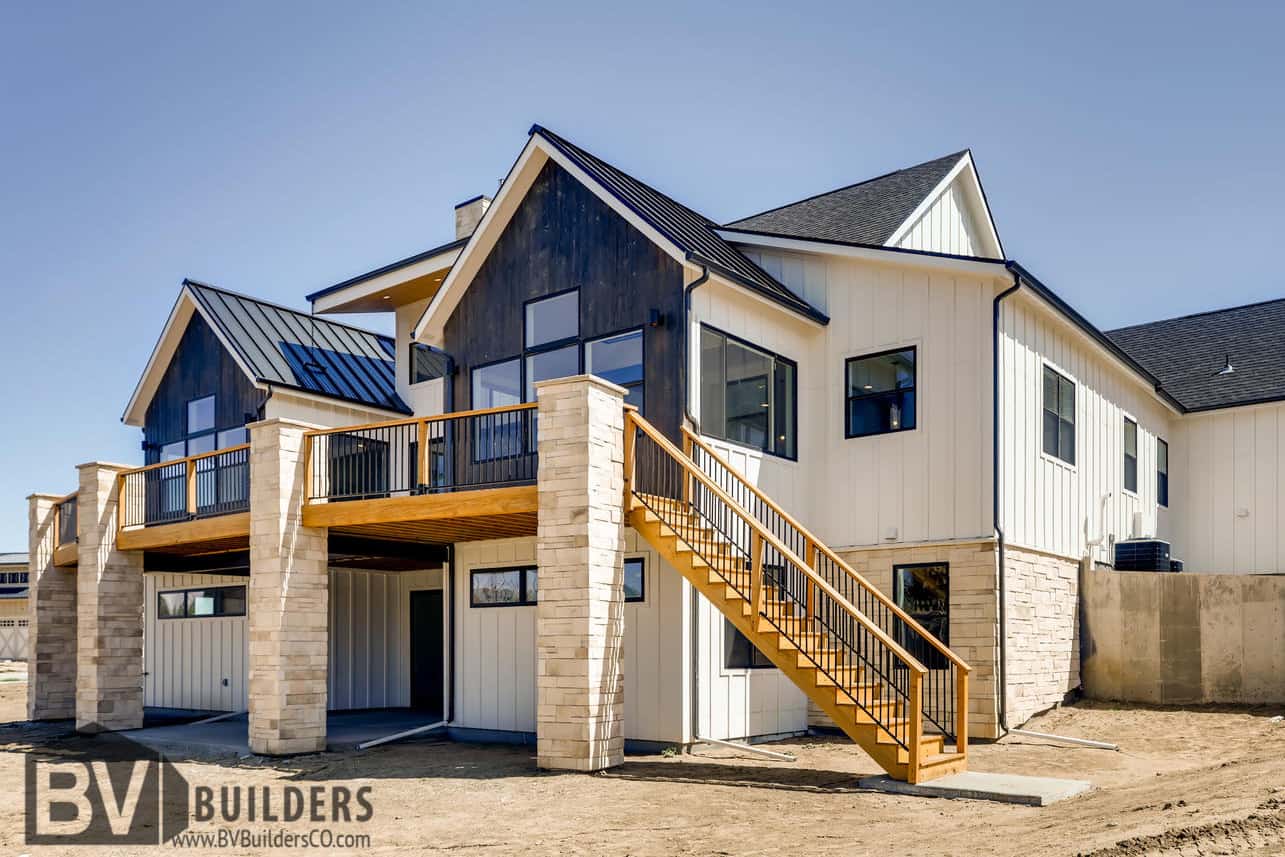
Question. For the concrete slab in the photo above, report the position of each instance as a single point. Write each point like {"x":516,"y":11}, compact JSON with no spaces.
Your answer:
{"x":973,"y":785}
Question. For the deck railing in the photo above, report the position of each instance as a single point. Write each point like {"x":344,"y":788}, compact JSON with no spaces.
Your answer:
{"x":466,"y":450}
{"x":67,"y":519}
{"x":199,"y":486}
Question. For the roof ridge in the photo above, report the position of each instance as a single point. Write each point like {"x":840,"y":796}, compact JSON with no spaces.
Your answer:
{"x":1250,"y":305}
{"x":188,"y":281}
{"x":889,"y":174}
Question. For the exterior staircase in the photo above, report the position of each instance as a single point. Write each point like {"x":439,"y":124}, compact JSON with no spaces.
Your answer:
{"x":889,"y":684}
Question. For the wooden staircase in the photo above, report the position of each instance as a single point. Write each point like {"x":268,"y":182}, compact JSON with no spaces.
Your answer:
{"x":738,"y":549}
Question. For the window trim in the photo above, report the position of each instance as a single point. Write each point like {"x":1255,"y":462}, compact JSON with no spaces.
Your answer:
{"x":794,"y":406}
{"x":1075,"y":384}
{"x":523,"y":600}
{"x":1162,"y":501}
{"x":641,"y":560}
{"x":245,"y":587}
{"x":1124,"y":455}
{"x":913,"y":348}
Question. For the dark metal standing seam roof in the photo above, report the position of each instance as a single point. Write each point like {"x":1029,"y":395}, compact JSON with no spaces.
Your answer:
{"x":868,"y":212}
{"x":1187,"y":354}
{"x":691,"y":232}
{"x":287,"y":348}
{"x":391,"y":266}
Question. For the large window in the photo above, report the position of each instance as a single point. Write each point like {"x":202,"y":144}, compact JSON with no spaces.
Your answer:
{"x":1059,"y":416}
{"x":880,"y":393}
{"x":1162,"y":472}
{"x":503,"y":587}
{"x":923,"y":591}
{"x":619,"y":359}
{"x":1130,"y":455}
{"x":739,"y":653}
{"x":747,"y":395}
{"x":200,"y":435}
{"x":208,"y":603}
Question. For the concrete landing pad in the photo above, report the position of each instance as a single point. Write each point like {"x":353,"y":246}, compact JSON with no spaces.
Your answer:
{"x":972,"y":785}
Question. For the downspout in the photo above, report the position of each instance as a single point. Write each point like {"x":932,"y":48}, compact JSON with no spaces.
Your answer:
{"x":995,"y":500}
{"x":687,"y":415}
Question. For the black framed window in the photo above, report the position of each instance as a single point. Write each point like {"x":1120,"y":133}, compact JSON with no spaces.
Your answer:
{"x":547,"y":365}
{"x":923,"y":591}
{"x":1130,"y":455}
{"x":739,"y":653}
{"x":504,"y":587}
{"x":1162,"y":472}
{"x":619,"y":359}
{"x":1059,"y":415}
{"x":748,"y":395}
{"x":200,"y":435}
{"x":206,"y":603}
{"x":552,"y":319}
{"x":635,"y":580}
{"x":880,"y":392}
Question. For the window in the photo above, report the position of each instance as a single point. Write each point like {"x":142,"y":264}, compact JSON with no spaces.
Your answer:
{"x":923,"y":591}
{"x":233,"y":437}
{"x":200,"y":436}
{"x":552,"y":319}
{"x":1059,"y":416}
{"x":748,"y":395}
{"x":880,"y":393}
{"x":635,"y":588}
{"x":200,"y":415}
{"x":173,"y":451}
{"x":546,"y":365}
{"x":1130,"y":455}
{"x":619,"y":359}
{"x":1162,"y":472}
{"x":207,"y":603}
{"x":427,"y":363}
{"x":503,"y":587}
{"x":497,"y":385}
{"x":739,"y":653}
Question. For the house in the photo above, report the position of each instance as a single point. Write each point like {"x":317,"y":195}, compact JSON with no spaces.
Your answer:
{"x":628,"y":474}
{"x":13,"y":606}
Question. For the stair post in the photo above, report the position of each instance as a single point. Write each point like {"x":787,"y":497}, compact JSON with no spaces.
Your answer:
{"x":961,"y":711}
{"x":756,"y":574}
{"x":915,"y":714}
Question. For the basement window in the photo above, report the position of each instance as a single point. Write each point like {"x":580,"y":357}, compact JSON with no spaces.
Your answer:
{"x":1059,"y":416}
{"x":206,"y":603}
{"x":923,"y":591}
{"x":504,"y":587}
{"x":739,"y":653}
{"x":1130,"y":455}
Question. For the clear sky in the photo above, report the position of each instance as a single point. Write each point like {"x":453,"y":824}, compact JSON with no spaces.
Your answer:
{"x":1132,"y":153}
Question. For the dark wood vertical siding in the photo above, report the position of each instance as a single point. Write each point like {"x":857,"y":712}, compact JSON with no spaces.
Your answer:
{"x":562,"y":237}
{"x":201,"y":366}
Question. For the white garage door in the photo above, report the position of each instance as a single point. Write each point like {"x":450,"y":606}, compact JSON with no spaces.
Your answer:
{"x":194,"y":652}
{"x":13,"y":639}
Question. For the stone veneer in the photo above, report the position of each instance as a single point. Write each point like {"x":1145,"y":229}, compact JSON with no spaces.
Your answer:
{"x":109,"y":611}
{"x":51,"y":613}
{"x":288,"y":598}
{"x":1043,"y":634}
{"x":579,"y":550}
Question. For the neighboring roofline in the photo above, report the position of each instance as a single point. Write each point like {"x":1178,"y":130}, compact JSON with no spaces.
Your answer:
{"x":389,"y":268}
{"x":779,"y":239}
{"x":363,"y":330}
{"x":1196,"y":315}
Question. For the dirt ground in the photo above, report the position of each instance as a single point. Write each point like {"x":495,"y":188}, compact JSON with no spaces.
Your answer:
{"x":1186,"y":782}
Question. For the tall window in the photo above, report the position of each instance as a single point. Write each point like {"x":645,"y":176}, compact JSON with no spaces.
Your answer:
{"x":923,"y":591}
{"x":748,"y":395}
{"x":880,"y":393}
{"x":1162,"y":472}
{"x":1130,"y":455}
{"x":200,"y":435}
{"x":1059,"y":416}
{"x":619,"y":359}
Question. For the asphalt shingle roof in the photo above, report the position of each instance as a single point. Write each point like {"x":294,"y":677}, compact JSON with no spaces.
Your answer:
{"x":692,"y":232}
{"x":1187,"y":353}
{"x":868,"y":212}
{"x":289,"y":348}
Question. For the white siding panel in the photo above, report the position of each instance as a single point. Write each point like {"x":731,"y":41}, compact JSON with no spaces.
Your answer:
{"x":946,"y":227}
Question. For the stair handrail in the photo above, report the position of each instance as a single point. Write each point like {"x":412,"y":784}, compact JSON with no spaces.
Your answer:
{"x":823,"y":548}
{"x":632,"y":418}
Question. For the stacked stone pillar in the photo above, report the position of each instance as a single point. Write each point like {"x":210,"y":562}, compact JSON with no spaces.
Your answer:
{"x":289,"y":591}
{"x":580,"y":550}
{"x":109,"y":611}
{"x":51,"y":625}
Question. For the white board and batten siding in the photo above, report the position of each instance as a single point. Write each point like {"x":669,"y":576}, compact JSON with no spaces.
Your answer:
{"x":197,"y":664}
{"x":1230,"y":468}
{"x":947,"y":226}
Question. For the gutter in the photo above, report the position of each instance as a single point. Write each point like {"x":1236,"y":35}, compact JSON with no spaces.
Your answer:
{"x":995,"y":501}
{"x":687,"y":415}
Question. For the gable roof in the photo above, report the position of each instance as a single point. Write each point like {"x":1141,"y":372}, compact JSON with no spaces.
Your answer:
{"x":691,"y":232}
{"x":280,"y":347}
{"x":868,"y":212}
{"x":1186,"y":354}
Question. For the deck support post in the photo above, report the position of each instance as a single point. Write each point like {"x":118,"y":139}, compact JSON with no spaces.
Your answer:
{"x":580,"y":620}
{"x":51,"y":618}
{"x":109,"y":610}
{"x":289,"y":598}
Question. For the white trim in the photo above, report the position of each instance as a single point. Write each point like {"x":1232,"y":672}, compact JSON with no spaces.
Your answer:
{"x":965,"y":163}
{"x":330,"y":401}
{"x":335,"y":301}
{"x":888,"y":255}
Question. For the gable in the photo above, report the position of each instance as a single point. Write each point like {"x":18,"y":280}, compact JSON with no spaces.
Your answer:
{"x":949,"y":225}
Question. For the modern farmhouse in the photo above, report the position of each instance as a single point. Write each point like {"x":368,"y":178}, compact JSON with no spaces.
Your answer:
{"x":627,"y":475}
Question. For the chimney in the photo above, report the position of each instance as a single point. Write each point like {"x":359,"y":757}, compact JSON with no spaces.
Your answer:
{"x":468,"y":214}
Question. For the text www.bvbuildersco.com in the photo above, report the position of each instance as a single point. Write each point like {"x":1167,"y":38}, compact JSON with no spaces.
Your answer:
{"x":242,"y":837}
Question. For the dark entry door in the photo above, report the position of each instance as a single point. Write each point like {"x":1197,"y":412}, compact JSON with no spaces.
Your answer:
{"x":426,"y":673}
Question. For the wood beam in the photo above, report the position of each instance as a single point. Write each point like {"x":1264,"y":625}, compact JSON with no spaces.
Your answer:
{"x":217,"y":528}
{"x":513,"y":500}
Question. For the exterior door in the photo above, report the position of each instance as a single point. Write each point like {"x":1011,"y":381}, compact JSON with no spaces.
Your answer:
{"x":426,"y":670}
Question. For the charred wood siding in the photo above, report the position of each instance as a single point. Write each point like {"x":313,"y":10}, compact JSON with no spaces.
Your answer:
{"x":201,"y":367}
{"x":563,"y":237}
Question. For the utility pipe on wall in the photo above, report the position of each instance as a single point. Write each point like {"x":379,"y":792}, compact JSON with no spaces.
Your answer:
{"x":995,"y":499}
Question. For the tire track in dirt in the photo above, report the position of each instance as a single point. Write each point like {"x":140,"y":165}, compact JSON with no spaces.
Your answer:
{"x":1253,"y":834}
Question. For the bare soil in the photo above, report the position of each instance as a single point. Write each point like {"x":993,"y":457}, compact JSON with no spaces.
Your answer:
{"x":1186,"y":782}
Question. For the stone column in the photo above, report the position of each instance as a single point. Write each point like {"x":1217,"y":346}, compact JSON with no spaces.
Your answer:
{"x":109,"y":611}
{"x":51,"y":615}
{"x":580,"y":545}
{"x":289,"y":588}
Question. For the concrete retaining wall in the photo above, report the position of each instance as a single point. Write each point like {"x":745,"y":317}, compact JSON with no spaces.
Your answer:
{"x":1183,"y":638}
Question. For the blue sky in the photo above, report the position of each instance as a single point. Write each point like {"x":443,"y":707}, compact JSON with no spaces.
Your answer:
{"x":1131,"y":152}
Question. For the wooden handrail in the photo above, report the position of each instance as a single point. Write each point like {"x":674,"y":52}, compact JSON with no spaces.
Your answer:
{"x":769,"y":538}
{"x":175,"y":461}
{"x":432,"y":418}
{"x":188,"y":463}
{"x":813,"y":543}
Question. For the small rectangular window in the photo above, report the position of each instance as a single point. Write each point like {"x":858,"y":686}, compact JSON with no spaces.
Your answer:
{"x":200,"y":444}
{"x":1162,"y":472}
{"x":1130,"y":455}
{"x":923,"y":591}
{"x":503,"y":587}
{"x":739,"y":653}
{"x":173,"y":451}
{"x":200,"y":415}
{"x":552,"y":319}
{"x":880,"y":393}
{"x":1059,"y":416}
{"x":618,"y":359}
{"x":233,"y":437}
{"x":635,"y":584}
{"x":208,"y":603}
